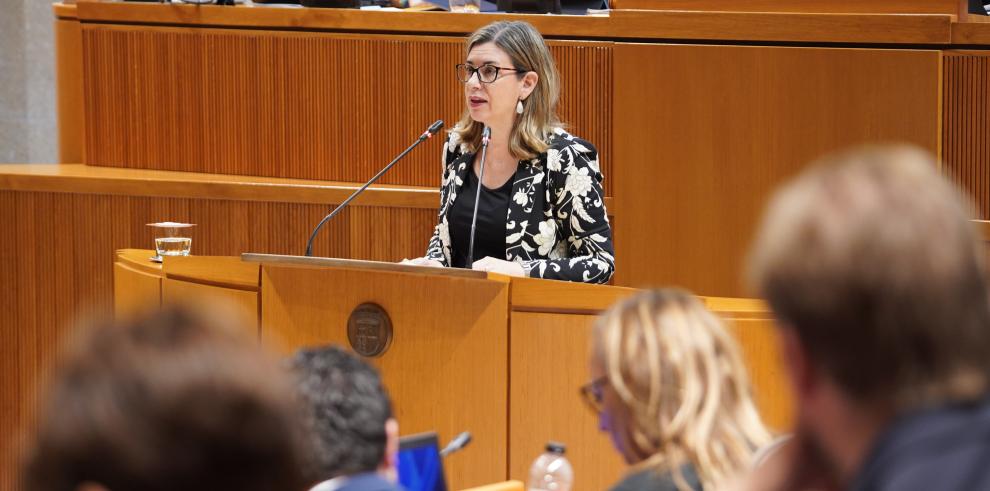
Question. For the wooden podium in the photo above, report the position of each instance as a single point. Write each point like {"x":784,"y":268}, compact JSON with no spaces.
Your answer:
{"x":500,"y":357}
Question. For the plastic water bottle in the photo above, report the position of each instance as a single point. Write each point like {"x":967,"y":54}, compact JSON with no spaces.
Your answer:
{"x":551,"y":471}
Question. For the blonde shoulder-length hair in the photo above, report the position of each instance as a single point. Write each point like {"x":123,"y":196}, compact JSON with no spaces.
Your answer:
{"x":683,"y":387}
{"x":529,"y":53}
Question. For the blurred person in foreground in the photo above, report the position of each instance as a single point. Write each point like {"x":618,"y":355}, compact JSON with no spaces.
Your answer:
{"x":349,"y":420}
{"x":180,"y":399}
{"x":877,"y":281}
{"x":670,"y":388}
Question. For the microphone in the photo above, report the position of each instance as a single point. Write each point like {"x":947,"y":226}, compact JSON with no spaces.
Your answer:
{"x":485,"y":136}
{"x":459,"y":442}
{"x":432,"y":130}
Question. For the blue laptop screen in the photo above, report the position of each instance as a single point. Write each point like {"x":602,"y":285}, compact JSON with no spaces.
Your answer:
{"x":420,"y":467}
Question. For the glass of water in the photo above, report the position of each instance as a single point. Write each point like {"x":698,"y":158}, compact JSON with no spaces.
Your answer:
{"x":171,"y":239}
{"x":465,"y":5}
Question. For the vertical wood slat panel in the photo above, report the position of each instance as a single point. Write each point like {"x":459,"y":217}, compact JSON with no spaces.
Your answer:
{"x":691,"y":190}
{"x":966,"y":125}
{"x":304,"y":105}
{"x":69,"y":95}
{"x":60,"y":266}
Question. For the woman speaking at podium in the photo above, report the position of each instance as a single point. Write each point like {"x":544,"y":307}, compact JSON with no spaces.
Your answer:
{"x":541,"y":208}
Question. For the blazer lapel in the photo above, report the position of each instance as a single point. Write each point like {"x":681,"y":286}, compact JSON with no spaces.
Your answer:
{"x":452,"y":182}
{"x":462,"y":165}
{"x":525,"y":209}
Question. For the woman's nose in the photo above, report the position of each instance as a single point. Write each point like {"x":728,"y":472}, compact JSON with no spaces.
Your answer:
{"x":474,"y":80}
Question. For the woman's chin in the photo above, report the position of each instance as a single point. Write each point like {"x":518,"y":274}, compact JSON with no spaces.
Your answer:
{"x":479,"y":115}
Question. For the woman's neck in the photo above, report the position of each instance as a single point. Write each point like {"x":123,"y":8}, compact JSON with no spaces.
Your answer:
{"x":498,"y":146}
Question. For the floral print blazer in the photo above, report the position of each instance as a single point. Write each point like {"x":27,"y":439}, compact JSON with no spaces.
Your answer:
{"x":557,"y":227}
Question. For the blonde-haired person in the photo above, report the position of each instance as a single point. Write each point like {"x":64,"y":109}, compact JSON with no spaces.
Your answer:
{"x":541,"y":210}
{"x":670,"y":388}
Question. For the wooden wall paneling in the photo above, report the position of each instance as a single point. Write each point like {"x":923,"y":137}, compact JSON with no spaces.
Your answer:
{"x":710,"y":131}
{"x":288,"y":104}
{"x":266,"y":103}
{"x":548,"y":363}
{"x":586,"y":96}
{"x":446,"y":368}
{"x":232,"y":227}
{"x":69,"y":89}
{"x":16,"y":336}
{"x":966,"y":124}
{"x":94,"y":230}
{"x":41,"y":297}
{"x":9,"y":401}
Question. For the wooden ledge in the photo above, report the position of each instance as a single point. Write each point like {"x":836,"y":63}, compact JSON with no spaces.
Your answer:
{"x":785,"y":27}
{"x":85,"y":179}
{"x":279,"y":260}
{"x":222,"y":271}
{"x":971,"y":33}
{"x":88,"y":179}
{"x":139,"y":260}
{"x":348,"y":20}
{"x":949,"y":7}
{"x":537,"y":295}
{"x":738,"y":308}
{"x":65,"y":11}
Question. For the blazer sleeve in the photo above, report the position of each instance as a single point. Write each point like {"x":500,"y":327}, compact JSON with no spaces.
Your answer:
{"x":580,"y":217}
{"x":441,"y":234}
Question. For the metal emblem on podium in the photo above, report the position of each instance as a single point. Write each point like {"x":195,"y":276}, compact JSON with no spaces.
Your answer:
{"x":369,"y":330}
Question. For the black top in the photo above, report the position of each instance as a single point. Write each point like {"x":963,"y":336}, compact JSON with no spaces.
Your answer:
{"x":945,"y":448}
{"x":493,"y":208}
{"x":652,"y":480}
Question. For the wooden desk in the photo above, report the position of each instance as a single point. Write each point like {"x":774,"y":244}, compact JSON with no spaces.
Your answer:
{"x":504,"y":360}
{"x":947,"y":7}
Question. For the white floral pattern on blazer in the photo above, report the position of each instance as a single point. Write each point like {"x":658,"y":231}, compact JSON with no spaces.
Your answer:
{"x":557,"y":227}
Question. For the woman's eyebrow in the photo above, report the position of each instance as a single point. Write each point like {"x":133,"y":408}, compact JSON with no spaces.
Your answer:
{"x":486,"y":62}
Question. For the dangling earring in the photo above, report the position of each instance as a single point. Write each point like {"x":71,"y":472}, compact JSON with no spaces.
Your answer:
{"x":519,"y":107}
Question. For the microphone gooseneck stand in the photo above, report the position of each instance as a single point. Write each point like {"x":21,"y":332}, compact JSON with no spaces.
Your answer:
{"x":435,"y":127}
{"x":485,"y":136}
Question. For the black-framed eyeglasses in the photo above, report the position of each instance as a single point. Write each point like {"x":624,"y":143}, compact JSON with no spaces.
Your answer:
{"x":593,"y":393}
{"x":487,"y":73}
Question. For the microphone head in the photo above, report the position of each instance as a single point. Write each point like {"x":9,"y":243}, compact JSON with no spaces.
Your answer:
{"x":464,"y":438}
{"x":487,"y":132}
{"x":435,"y":127}
{"x":459,"y":442}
